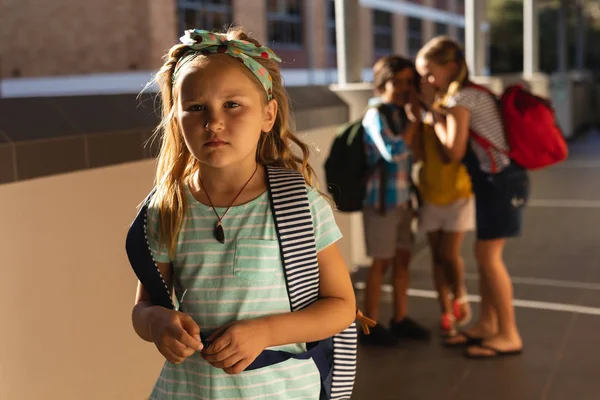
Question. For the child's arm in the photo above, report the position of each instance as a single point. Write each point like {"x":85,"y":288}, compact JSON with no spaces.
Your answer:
{"x":240,"y":343}
{"x":379,"y":137}
{"x":453,"y":131}
{"x":417,"y":146}
{"x":176,"y":334}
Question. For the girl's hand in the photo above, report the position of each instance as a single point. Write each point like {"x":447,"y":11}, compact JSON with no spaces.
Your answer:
{"x":427,"y":93}
{"x":413,"y":107}
{"x":175,"y":334}
{"x":235,"y":346}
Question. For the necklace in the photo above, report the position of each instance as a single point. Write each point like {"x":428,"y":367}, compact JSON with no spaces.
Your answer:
{"x":219,"y":232}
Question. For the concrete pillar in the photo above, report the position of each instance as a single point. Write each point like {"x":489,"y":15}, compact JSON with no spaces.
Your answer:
{"x":563,"y":60}
{"x":162,"y":30}
{"x":349,"y":58}
{"x":452,"y":29}
{"x":315,"y":37}
{"x":428,"y":26}
{"x":476,"y":49}
{"x":253,"y":17}
{"x":531,"y":38}
{"x":365,"y":26}
{"x":400,"y":34}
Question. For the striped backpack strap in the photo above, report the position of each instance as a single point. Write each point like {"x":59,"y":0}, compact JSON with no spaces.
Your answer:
{"x":294,"y":226}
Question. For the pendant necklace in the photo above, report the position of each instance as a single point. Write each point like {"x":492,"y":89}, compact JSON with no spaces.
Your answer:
{"x":218,"y":232}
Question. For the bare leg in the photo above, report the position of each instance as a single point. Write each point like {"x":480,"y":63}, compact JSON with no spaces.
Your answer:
{"x":487,"y":325}
{"x":493,"y":272}
{"x":400,"y":281}
{"x":373,"y":287}
{"x":451,"y":246}
{"x":439,"y":274}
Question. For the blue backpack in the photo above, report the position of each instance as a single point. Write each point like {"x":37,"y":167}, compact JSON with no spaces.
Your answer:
{"x":335,"y":357}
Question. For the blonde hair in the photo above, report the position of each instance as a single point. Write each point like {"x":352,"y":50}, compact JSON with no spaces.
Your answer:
{"x":175,"y":162}
{"x":443,"y":50}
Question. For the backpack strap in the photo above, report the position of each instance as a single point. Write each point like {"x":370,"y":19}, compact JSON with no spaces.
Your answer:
{"x":335,"y":357}
{"x":294,"y":226}
{"x":141,"y":260}
{"x":484,"y":143}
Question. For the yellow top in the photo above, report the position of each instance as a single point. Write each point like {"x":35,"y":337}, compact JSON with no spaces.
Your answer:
{"x":440,"y":183}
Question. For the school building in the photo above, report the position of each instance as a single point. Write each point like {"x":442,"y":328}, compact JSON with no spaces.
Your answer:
{"x":73,"y":37}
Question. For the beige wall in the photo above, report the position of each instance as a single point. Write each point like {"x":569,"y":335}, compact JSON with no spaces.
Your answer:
{"x":67,"y":289}
{"x":42,"y":38}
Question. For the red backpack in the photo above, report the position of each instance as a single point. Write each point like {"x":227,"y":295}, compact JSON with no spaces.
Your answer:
{"x":533,"y":135}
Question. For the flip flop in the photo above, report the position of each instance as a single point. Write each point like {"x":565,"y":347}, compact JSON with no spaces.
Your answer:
{"x":470,"y":341}
{"x":496,"y":353}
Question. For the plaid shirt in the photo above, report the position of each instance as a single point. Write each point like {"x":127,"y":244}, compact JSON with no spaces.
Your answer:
{"x":381,"y":142}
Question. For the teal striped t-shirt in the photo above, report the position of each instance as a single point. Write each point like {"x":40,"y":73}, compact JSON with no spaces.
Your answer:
{"x":240,"y":279}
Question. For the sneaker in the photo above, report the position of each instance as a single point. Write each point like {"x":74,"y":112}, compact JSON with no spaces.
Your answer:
{"x":409,"y":329}
{"x":448,"y":325}
{"x":379,"y":337}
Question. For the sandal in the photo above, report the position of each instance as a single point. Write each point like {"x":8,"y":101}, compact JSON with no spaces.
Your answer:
{"x":495,"y":352}
{"x":468,"y":342}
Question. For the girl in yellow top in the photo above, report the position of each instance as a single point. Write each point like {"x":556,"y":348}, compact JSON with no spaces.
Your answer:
{"x":447,"y":212}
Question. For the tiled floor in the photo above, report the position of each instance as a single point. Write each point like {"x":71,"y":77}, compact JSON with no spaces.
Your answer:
{"x":555,"y":262}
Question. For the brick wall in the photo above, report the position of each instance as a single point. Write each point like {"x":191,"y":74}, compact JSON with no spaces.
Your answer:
{"x":44,"y":38}
{"x":66,"y":37}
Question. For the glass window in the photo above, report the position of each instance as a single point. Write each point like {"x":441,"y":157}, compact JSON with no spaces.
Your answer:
{"x":441,"y":29}
{"x":331,"y":31}
{"x":285,"y":23}
{"x":211,"y":15}
{"x":383,"y":32}
{"x":460,"y":32}
{"x":415,"y":36}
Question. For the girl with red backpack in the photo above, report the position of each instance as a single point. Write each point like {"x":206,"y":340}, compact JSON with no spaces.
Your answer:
{"x":501,"y":187}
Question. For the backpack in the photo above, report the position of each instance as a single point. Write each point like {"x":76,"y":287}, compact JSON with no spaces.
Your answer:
{"x":346,"y":168}
{"x":335,"y":357}
{"x":532,"y":132}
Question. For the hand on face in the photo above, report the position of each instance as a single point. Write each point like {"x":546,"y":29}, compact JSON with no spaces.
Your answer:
{"x":413,"y":107}
{"x":428,"y":93}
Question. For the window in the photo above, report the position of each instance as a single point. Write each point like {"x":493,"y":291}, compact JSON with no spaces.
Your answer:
{"x":383,"y":32}
{"x":204,"y":14}
{"x":441,"y":29}
{"x":441,"y":4}
{"x":331,"y":31}
{"x":414,"y":36}
{"x":460,"y":32}
{"x":285,"y":23}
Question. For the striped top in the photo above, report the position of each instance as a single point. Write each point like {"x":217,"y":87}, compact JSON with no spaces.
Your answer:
{"x":240,"y":279}
{"x":383,"y":141}
{"x":485,"y":120}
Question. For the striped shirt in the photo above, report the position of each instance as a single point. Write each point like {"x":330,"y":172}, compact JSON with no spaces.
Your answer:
{"x":381,"y":142}
{"x":485,"y":120}
{"x":240,"y":279}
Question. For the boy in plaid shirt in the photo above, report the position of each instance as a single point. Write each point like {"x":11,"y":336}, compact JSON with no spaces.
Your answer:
{"x":387,"y":213}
